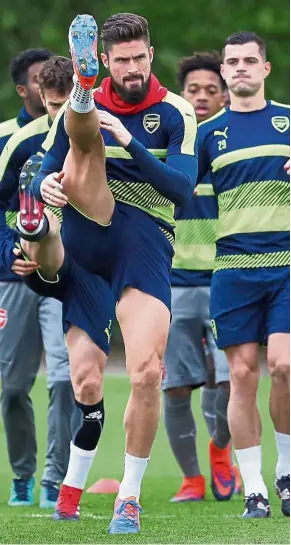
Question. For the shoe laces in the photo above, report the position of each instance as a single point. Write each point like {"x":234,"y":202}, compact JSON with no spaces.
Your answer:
{"x":22,"y":489}
{"x":223,"y":468}
{"x":52,"y":490}
{"x":188,"y":487}
{"x":129,"y":510}
{"x":284,"y":486}
{"x":252,"y":501}
{"x":67,"y":503}
{"x":184,"y":488}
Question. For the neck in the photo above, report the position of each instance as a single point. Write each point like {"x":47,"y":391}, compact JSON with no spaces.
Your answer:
{"x":31,"y":111}
{"x":248,"y":104}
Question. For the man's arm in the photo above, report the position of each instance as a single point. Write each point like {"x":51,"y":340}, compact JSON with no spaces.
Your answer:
{"x":176,"y":178}
{"x":203,"y":157}
{"x":56,"y":146}
{"x":10,"y":165}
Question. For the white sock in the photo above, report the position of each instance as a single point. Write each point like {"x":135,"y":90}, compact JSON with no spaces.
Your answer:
{"x":81,"y":100}
{"x":250,"y":465}
{"x":134,"y":469}
{"x":79,"y":466}
{"x":283,"y":448}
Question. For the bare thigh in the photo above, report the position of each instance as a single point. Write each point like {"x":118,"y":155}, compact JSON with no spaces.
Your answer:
{"x":87,"y":363}
{"x":85,"y":182}
{"x":144,"y":322}
{"x":48,"y":252}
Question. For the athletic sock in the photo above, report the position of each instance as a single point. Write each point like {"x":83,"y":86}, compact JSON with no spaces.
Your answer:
{"x":134,"y":469}
{"x":84,"y":444}
{"x":181,"y":430}
{"x":250,"y":465}
{"x":81,"y":100}
{"x":221,"y":434}
{"x":88,"y":434}
{"x":283,"y":449}
{"x":208,"y":396}
{"x":79,"y":466}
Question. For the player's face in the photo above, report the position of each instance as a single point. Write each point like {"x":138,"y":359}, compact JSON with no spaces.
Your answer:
{"x":30,"y":91}
{"x":32,"y":87}
{"x":52,"y":101}
{"x":204,"y":90}
{"x":129,"y":64}
{"x":244,"y":69}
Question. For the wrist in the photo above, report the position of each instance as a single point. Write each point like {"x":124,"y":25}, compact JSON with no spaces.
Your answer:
{"x":130,"y":143}
{"x":127,"y":140}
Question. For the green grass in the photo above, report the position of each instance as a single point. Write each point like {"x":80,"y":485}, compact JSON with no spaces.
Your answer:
{"x":204,"y":522}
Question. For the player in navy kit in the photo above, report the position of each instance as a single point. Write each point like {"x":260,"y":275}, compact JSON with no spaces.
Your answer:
{"x":245,"y":148}
{"x":119,"y":222}
{"x":186,"y":363}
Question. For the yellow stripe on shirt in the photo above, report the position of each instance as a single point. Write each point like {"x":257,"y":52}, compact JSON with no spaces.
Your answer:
{"x":269,"y":150}
{"x":187,"y":111}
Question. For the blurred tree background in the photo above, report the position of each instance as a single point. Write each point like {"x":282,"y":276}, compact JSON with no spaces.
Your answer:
{"x":176,"y":30}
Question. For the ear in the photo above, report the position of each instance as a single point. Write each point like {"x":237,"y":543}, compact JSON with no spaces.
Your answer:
{"x":222,"y":71}
{"x":42,"y":98}
{"x":182,"y":94}
{"x":21,"y":90}
{"x":267,"y":69}
{"x":104,"y":59}
{"x":151,"y":53}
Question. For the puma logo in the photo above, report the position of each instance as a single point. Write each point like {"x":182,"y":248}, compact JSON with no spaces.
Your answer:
{"x":221,"y":133}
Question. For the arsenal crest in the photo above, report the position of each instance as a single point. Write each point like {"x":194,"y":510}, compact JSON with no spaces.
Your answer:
{"x":151,"y":122}
{"x":3,"y":318}
{"x":281,"y":123}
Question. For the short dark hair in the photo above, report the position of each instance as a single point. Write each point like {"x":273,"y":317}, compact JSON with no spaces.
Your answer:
{"x":57,"y":73}
{"x":246,"y":37}
{"x":124,"y":27}
{"x":20,"y":64}
{"x":200,"y":60}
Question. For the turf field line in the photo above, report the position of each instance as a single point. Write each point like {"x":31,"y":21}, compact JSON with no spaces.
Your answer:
{"x":144,"y":516}
{"x":95,"y":517}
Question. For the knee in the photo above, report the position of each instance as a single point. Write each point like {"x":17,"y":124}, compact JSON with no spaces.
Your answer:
{"x":225,"y":386}
{"x":13,"y":394}
{"x":87,"y":363}
{"x":87,"y":384}
{"x":87,"y":389}
{"x":244,"y":376}
{"x":87,"y":380}
{"x":146,"y":376}
{"x":279,"y":368}
{"x":182,"y":392}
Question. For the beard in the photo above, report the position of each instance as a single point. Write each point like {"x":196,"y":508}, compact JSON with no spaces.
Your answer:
{"x":245,"y":92}
{"x":36,"y":104}
{"x":132,"y":96}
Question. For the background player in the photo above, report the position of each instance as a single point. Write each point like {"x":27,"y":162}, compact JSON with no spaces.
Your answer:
{"x":245,"y":148}
{"x":32,"y":321}
{"x":185,"y":358}
{"x":24,"y":70}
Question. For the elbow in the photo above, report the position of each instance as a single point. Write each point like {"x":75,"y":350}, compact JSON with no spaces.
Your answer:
{"x":186,"y":195}
{"x":181,"y":200}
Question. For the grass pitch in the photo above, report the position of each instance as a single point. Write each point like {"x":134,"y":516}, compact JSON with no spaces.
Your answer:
{"x":204,"y":522}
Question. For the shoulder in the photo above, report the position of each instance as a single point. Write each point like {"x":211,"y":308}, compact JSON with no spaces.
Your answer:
{"x":8,"y":127}
{"x":179,"y":104}
{"x":21,"y":136}
{"x":38,"y":126}
{"x":214,"y":126}
{"x":215,"y":122}
{"x":279,"y":109}
{"x":280,"y":105}
{"x":58,"y":125}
